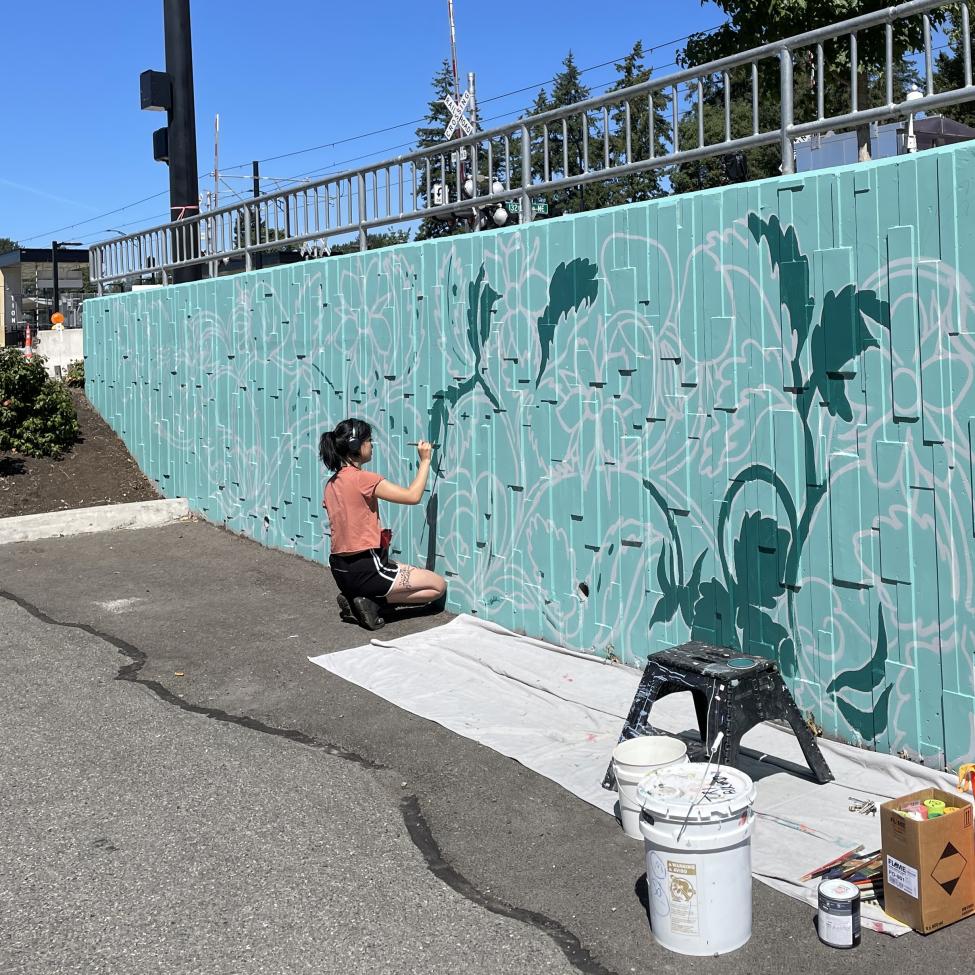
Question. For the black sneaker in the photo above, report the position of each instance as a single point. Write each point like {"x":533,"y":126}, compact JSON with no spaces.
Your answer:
{"x":367,"y":613}
{"x":345,"y":610}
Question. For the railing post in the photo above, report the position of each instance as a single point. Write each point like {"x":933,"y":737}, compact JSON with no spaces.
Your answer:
{"x":363,"y":236}
{"x":786,"y":119}
{"x":526,"y":176}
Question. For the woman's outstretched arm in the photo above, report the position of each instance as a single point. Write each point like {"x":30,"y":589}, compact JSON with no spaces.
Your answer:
{"x":387,"y":491}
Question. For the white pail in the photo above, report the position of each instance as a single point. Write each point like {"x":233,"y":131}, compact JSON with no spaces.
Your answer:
{"x":697,"y":827}
{"x":632,"y":760}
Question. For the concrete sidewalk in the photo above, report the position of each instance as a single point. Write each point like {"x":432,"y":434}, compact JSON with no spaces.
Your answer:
{"x":237,"y":622}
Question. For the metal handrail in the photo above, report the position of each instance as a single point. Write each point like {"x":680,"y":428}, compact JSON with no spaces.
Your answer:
{"x":516,"y":161}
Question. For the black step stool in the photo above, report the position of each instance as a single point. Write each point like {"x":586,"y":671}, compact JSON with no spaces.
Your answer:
{"x":733,"y":692}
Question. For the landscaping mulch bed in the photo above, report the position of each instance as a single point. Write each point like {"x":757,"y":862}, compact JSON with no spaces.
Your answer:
{"x":98,"y":470}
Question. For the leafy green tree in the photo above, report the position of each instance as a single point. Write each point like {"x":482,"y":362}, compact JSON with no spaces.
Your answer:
{"x":751,"y":24}
{"x":720,"y":170}
{"x":7,"y":245}
{"x":950,"y":68}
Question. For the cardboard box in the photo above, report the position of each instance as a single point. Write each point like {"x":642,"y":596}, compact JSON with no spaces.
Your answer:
{"x":929,"y":866}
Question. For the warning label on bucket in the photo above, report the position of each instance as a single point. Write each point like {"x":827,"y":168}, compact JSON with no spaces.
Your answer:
{"x":682,"y":888}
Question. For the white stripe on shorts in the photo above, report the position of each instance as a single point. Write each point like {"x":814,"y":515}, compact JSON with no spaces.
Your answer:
{"x":382,"y":570}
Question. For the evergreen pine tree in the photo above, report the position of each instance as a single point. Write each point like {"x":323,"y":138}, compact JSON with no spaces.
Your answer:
{"x":646,"y":185}
{"x":567,"y":153}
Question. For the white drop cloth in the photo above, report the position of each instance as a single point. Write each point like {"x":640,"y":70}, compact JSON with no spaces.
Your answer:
{"x":560,"y":714}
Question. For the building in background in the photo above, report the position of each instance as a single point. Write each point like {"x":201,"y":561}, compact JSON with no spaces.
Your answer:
{"x":841,"y":149}
{"x":27,"y":286}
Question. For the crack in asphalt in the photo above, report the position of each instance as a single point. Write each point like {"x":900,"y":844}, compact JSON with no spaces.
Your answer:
{"x":416,"y":824}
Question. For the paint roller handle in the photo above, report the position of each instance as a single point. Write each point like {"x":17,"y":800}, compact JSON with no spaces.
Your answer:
{"x":424,"y":451}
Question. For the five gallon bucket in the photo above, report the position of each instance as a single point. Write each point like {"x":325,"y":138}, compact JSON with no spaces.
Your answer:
{"x":633,"y":759}
{"x":697,"y":827}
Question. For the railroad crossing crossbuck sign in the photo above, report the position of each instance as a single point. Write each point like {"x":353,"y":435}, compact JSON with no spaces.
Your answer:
{"x":458,"y":115}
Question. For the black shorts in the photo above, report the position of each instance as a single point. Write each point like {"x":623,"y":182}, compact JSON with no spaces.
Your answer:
{"x":369,"y":573}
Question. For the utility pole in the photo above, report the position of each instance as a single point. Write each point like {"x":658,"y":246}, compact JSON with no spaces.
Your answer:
{"x":216,"y":161}
{"x":184,"y":193}
{"x":257,"y":257}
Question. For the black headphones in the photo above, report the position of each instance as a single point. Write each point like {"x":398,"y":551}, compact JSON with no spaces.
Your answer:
{"x":353,"y":441}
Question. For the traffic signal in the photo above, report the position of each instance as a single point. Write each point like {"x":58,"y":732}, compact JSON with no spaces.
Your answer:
{"x":160,"y":145}
{"x":156,"y":90}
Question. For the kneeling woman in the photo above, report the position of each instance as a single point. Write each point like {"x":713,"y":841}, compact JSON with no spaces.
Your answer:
{"x":359,"y":558}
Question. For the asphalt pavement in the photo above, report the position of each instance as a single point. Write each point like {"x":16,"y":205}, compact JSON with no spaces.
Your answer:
{"x":182,"y":791}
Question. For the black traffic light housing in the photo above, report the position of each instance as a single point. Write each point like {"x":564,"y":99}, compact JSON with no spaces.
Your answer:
{"x":160,"y":145}
{"x":171,"y":91}
{"x":156,"y":89}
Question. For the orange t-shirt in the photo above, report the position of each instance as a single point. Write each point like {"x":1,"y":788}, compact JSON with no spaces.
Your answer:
{"x":353,"y":510}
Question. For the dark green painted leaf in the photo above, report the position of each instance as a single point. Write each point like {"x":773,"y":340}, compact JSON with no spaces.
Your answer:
{"x":872,"y":673}
{"x":788,"y":658}
{"x":481,"y":299}
{"x":714,"y":619}
{"x":868,"y":724}
{"x":667,"y":604}
{"x":793,"y":269}
{"x":572,"y":286}
{"x":689,"y":593}
{"x":756,"y":561}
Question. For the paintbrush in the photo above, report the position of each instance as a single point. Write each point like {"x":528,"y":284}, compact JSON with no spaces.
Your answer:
{"x":826,"y":867}
{"x":808,"y":830}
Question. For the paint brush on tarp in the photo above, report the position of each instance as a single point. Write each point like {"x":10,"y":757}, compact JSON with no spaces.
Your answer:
{"x":803,"y":828}
{"x":826,"y":867}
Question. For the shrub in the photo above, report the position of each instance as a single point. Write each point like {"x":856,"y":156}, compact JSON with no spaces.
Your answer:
{"x":75,"y":376}
{"x":37,"y":416}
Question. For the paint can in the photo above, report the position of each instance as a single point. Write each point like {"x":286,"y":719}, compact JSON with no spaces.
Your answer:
{"x":697,"y":825}
{"x":838,"y":923}
{"x":633,"y":760}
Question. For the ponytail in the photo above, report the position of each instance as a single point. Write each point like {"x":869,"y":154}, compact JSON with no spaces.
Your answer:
{"x":337,"y":447}
{"x":328,"y":451}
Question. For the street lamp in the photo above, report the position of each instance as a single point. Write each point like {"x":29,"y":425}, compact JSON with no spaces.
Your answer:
{"x":912,"y":96}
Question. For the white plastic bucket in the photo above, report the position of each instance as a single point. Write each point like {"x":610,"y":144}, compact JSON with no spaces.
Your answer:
{"x":697,"y":828}
{"x":633,"y":759}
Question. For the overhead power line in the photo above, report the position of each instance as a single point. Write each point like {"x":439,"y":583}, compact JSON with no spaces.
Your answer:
{"x":366,"y":135}
{"x":335,"y":166}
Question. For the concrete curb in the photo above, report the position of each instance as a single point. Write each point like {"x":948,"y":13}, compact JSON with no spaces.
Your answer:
{"x":82,"y":521}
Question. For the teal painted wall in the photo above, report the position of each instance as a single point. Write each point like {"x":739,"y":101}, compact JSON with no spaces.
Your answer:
{"x":744,"y":415}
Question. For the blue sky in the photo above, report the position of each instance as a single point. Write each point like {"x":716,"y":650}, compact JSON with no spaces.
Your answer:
{"x":283,"y":76}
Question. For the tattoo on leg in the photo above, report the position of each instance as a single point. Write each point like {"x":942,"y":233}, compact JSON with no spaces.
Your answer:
{"x":404,"y":577}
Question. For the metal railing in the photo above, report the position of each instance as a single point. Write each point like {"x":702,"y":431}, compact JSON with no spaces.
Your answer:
{"x":622,"y":133}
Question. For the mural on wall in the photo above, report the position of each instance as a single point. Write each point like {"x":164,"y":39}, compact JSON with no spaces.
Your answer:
{"x":742,"y":416}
